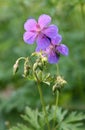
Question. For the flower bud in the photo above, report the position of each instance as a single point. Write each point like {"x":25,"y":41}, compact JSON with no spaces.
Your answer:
{"x":55,"y":87}
{"x":40,"y":66}
{"x":59,"y":83}
{"x":26,"y":70}
{"x":16,"y":67}
{"x":26,"y":67}
{"x":44,"y":60}
{"x":35,"y":66}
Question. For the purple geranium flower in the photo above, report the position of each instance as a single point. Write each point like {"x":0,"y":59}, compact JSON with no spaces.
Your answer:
{"x":55,"y":49}
{"x":40,"y":31}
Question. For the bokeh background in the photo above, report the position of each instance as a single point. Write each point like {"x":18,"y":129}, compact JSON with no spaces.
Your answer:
{"x":16,"y":92}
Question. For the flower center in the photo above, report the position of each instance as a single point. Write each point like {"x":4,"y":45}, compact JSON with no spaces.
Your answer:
{"x":38,"y":29}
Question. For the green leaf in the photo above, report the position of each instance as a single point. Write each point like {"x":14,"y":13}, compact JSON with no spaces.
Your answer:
{"x":75,"y":116}
{"x":21,"y":127}
{"x":32,"y":117}
{"x":65,"y":120}
{"x":70,"y":120}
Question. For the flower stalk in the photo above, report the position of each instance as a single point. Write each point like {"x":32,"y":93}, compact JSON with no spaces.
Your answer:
{"x":56,"y":107}
{"x":42,"y":101}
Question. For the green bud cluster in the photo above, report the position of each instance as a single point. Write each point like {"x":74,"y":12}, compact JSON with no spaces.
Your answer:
{"x":36,"y":71}
{"x":59,"y":83}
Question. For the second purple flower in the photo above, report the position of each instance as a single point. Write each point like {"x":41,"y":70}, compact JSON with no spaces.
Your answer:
{"x":55,"y":49}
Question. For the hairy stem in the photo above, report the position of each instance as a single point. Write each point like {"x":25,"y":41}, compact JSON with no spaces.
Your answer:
{"x":58,"y":73}
{"x":42,"y":101}
{"x":56,"y":107}
{"x":83,"y":17}
{"x":56,"y":99}
{"x":43,"y":105}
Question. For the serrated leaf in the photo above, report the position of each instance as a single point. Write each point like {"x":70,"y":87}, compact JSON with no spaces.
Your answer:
{"x":70,"y":121}
{"x":32,"y":117}
{"x":75,"y":116}
{"x":21,"y":127}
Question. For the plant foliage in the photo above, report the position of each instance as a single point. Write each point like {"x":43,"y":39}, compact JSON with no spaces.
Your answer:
{"x":65,"y":120}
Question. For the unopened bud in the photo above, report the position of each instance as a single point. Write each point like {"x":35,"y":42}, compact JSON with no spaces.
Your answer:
{"x":34,"y":54}
{"x":16,"y":67}
{"x":35,"y":66}
{"x":26,"y":67}
{"x":61,"y":81}
{"x":55,"y":87}
{"x":26,"y":70}
{"x":44,"y":59}
{"x":40,"y":66}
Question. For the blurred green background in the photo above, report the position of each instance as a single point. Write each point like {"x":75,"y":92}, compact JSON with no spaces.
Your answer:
{"x":15,"y":91}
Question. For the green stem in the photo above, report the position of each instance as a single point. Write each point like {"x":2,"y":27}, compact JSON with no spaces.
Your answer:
{"x":57,"y":97}
{"x":22,"y":58}
{"x":56,"y":107}
{"x":83,"y":17}
{"x":58,"y":70}
{"x":82,"y":11}
{"x":42,"y":101}
{"x":43,"y":105}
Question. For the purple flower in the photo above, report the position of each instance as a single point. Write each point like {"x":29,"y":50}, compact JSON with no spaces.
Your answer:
{"x":55,"y":49}
{"x":40,"y":31}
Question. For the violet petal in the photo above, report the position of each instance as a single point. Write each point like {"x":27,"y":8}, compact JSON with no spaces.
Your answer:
{"x":53,"y":57}
{"x":51,"y":31}
{"x":38,"y":49}
{"x":44,"y":20}
{"x":30,"y":24}
{"x":63,"y":49}
{"x":42,"y":42}
{"x":57,"y":39}
{"x":29,"y":37}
